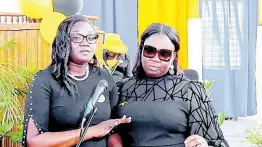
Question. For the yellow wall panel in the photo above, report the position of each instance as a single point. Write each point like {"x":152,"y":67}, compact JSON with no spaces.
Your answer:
{"x":172,"y":12}
{"x":260,"y":12}
{"x":193,"y":9}
{"x":30,"y":47}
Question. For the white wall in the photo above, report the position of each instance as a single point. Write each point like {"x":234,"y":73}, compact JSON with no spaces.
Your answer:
{"x":259,"y":74}
{"x":195,"y":45}
{"x":9,"y":6}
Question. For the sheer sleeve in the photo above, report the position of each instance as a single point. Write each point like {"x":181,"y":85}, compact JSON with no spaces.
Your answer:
{"x":202,"y":120}
{"x":37,"y":104}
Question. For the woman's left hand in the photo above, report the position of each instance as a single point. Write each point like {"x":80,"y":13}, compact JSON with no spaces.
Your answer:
{"x":195,"y":141}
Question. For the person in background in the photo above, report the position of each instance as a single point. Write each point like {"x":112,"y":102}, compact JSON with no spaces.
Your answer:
{"x":57,"y":97}
{"x":116,"y":61}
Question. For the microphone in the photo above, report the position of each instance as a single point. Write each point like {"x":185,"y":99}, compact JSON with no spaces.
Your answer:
{"x":91,"y":109}
{"x":100,"y":88}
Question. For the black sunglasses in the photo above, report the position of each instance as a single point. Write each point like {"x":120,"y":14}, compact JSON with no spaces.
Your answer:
{"x":78,"y":38}
{"x":163,"y":54}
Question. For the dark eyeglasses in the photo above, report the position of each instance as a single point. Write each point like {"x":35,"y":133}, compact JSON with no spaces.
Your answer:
{"x":163,"y":54}
{"x":78,"y":38}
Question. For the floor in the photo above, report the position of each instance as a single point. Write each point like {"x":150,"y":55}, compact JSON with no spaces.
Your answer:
{"x":234,"y":131}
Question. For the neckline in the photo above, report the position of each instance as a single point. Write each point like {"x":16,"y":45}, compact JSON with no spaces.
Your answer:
{"x":166,"y":76}
{"x":77,"y":77}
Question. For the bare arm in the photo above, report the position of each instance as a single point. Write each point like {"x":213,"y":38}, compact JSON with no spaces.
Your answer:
{"x":54,"y":139}
{"x":69,"y":138}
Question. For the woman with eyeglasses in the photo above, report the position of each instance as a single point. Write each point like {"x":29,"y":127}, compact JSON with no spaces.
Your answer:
{"x":167,"y":109}
{"x":57,"y":98}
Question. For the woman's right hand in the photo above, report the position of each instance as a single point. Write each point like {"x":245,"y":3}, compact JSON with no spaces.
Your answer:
{"x":103,"y":128}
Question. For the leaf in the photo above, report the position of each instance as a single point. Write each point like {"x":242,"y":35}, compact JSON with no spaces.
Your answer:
{"x":204,"y":83}
{"x":122,"y":104}
{"x":254,"y":136}
{"x":21,"y":118}
{"x":221,"y":118}
{"x":2,"y":105}
{"x":20,"y":127}
{"x":209,"y":84}
{"x":15,"y":136}
{"x":10,"y":44}
{"x":4,"y":128}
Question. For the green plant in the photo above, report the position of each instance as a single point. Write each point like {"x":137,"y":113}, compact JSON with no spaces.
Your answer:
{"x":221,"y":118}
{"x":208,"y":85}
{"x":254,"y":137}
{"x":13,"y":85}
{"x":10,"y":44}
{"x":5,"y":127}
{"x":17,"y":136}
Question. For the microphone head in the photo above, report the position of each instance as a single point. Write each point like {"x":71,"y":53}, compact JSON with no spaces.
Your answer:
{"x":103,"y":83}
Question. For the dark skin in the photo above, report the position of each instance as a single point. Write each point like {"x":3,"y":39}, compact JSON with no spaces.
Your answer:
{"x":111,"y":55}
{"x":80,"y":55}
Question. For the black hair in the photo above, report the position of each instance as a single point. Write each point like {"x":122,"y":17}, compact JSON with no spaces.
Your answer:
{"x":156,"y":28}
{"x":61,"y":49}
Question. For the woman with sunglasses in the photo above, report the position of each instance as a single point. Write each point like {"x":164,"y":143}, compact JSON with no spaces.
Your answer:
{"x":56,"y":100}
{"x":167,"y":109}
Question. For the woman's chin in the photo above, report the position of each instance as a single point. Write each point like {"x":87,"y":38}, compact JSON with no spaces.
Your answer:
{"x":152,"y":73}
{"x":82,"y":61}
{"x":155,"y":73}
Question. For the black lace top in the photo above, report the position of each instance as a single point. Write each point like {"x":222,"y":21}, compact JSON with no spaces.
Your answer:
{"x":166,"y":111}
